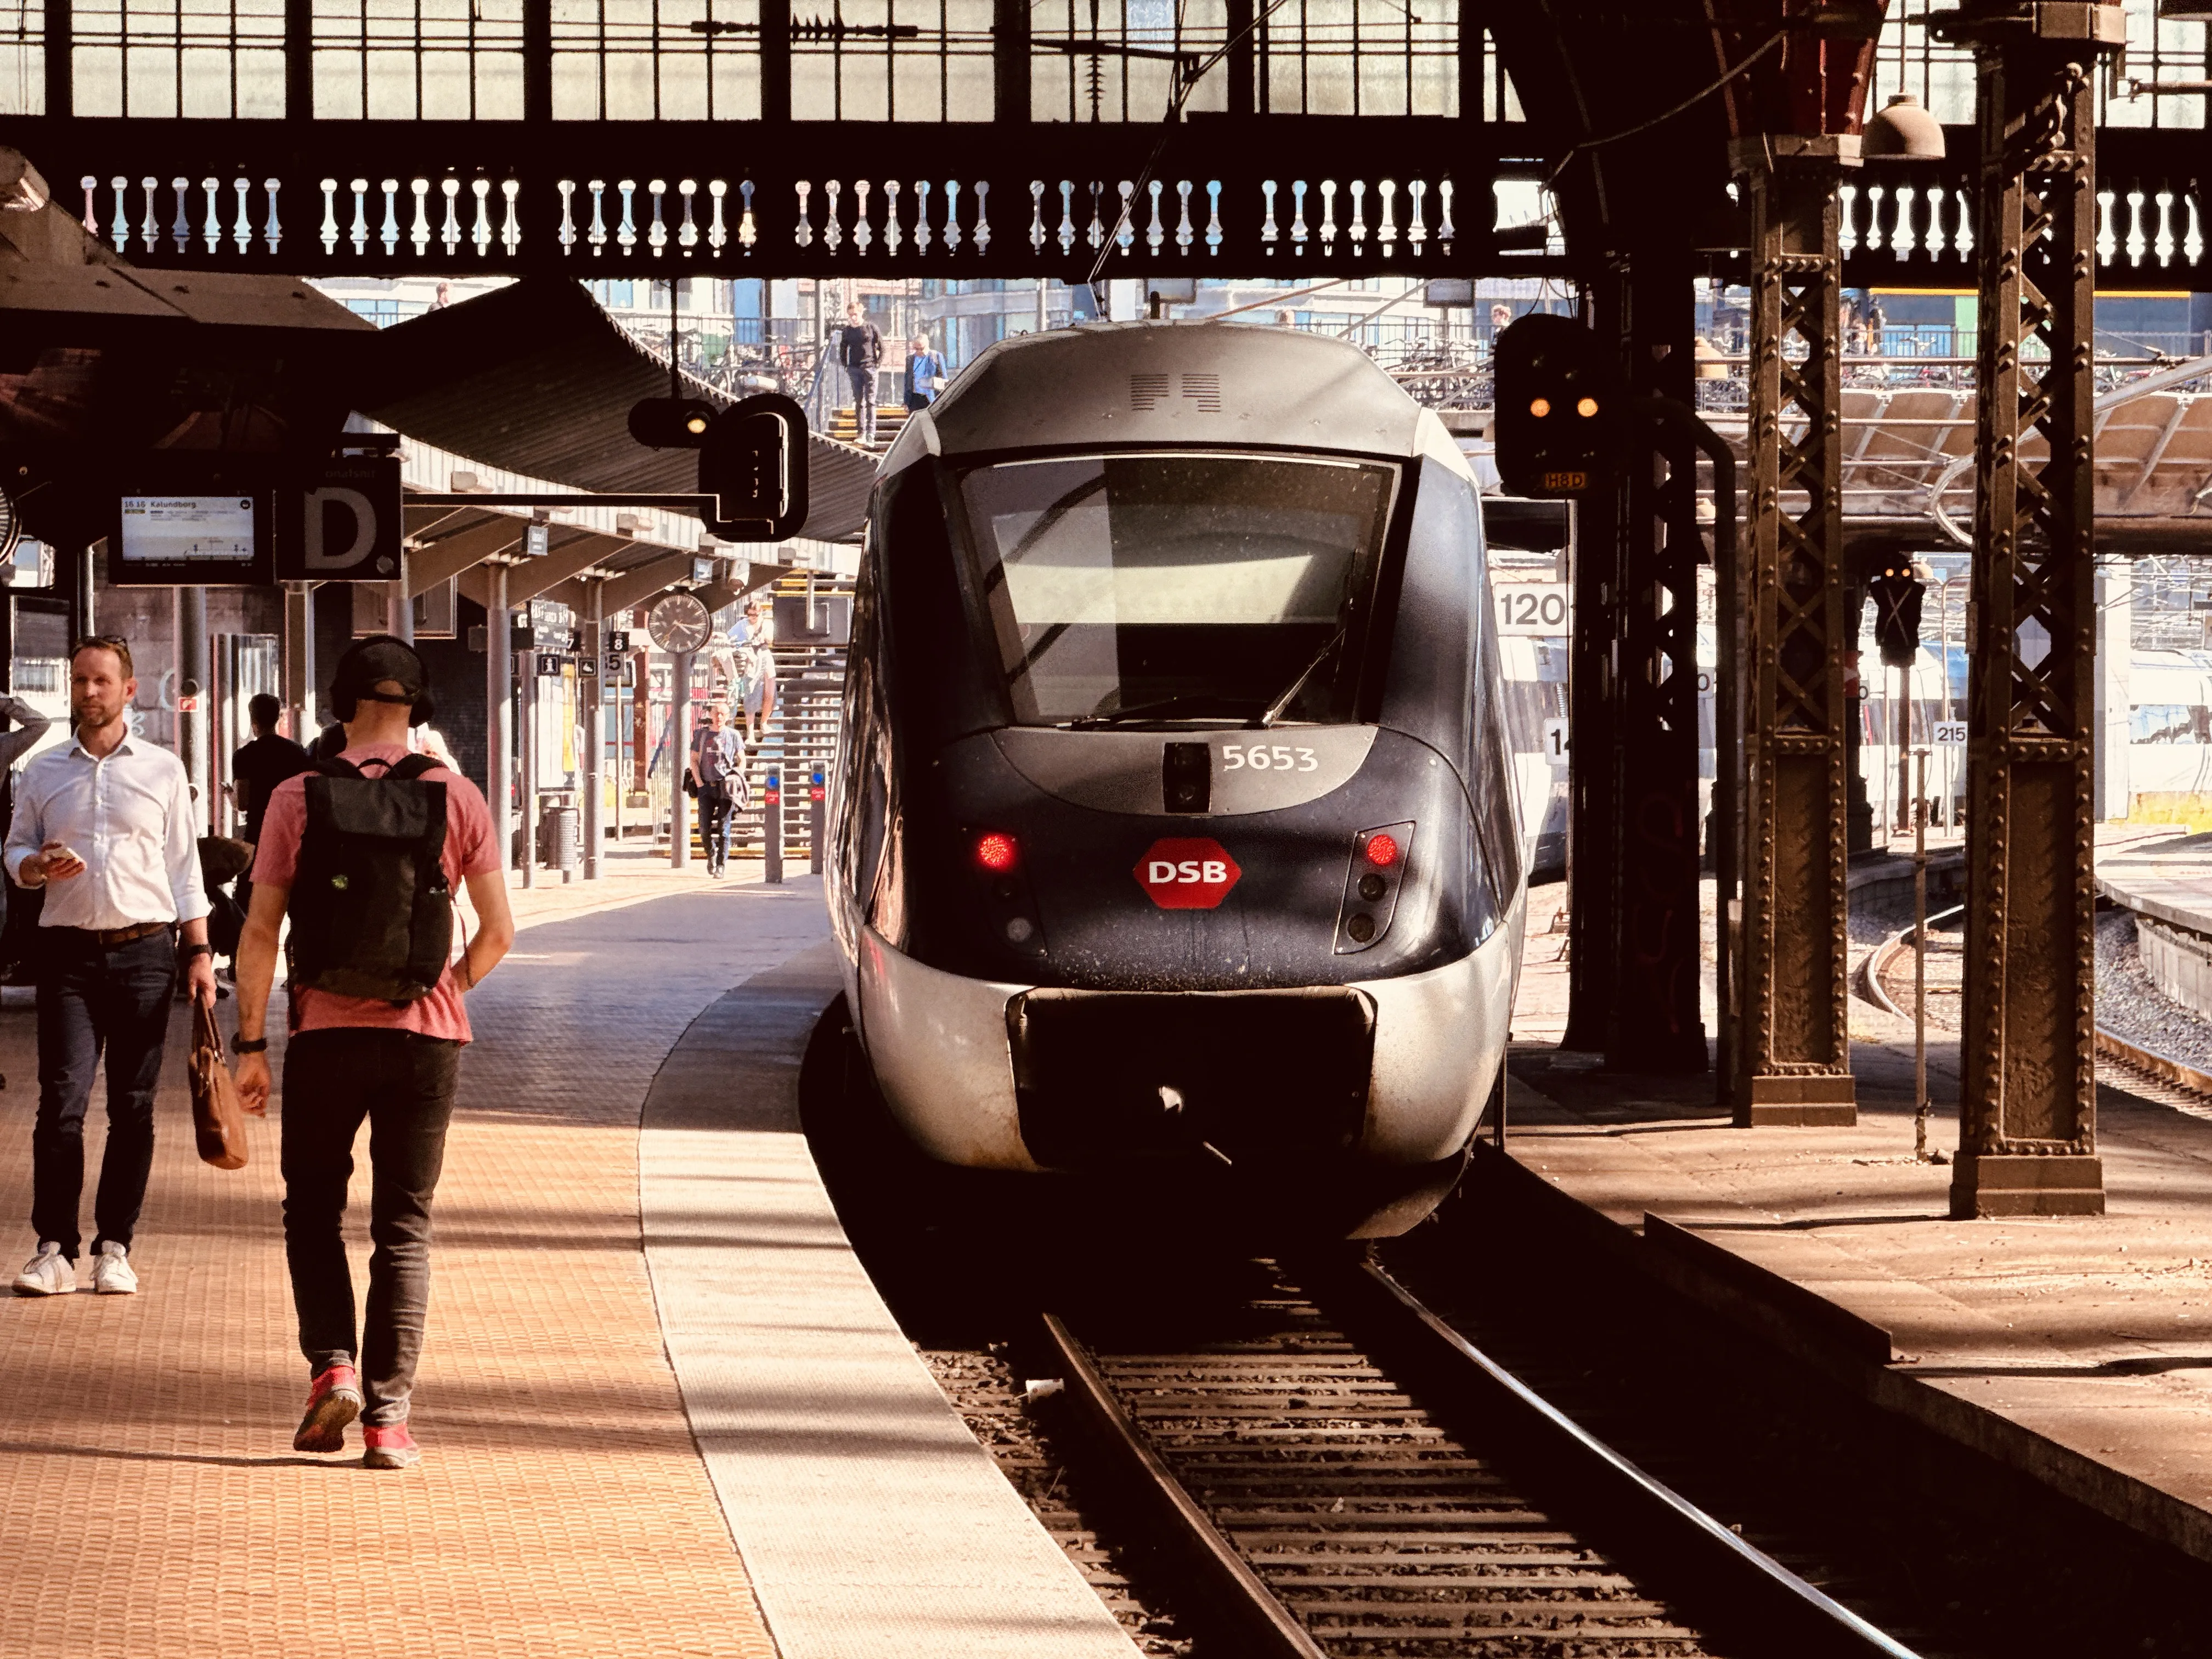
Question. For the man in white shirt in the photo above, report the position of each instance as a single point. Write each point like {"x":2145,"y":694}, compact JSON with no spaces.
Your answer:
{"x":105,"y":824}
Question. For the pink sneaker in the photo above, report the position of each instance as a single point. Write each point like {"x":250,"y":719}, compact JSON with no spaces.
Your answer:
{"x":391,"y":1447}
{"x":332,"y":1402}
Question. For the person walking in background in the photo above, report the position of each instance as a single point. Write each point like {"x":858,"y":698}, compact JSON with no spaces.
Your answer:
{"x":717,"y":769}
{"x":860,"y":350}
{"x":385,"y":1048}
{"x":257,"y":768}
{"x":30,"y":726}
{"x":925,"y":374}
{"x":106,"y":824}
{"x":756,"y":657}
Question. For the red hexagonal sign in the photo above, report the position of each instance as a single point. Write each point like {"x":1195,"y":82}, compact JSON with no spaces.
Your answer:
{"x":1186,"y":872}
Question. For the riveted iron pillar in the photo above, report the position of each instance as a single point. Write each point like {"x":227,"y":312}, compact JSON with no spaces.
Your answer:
{"x":2027,"y":1109}
{"x":1791,"y":1051}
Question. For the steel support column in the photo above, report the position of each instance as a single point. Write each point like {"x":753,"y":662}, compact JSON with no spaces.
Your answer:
{"x":1793,"y":1056}
{"x":593,"y":690}
{"x":2027,"y":1107}
{"x":499,"y":714}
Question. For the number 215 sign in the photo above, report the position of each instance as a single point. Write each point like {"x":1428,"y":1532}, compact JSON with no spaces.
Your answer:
{"x":1531,"y":608}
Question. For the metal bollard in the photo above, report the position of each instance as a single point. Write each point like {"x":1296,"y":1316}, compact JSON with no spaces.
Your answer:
{"x":816,"y":862}
{"x":772,"y":829}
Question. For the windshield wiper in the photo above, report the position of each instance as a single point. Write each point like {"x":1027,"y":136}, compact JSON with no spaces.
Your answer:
{"x":1275,"y":709}
{"x":1158,"y":709}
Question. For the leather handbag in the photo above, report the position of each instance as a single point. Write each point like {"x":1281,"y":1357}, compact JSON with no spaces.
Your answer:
{"x":218,"y":1117}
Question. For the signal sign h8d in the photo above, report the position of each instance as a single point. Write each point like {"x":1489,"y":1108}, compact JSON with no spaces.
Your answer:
{"x":1186,"y":872}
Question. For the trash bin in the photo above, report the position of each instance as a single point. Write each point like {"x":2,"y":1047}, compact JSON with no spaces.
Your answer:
{"x":560,"y":835}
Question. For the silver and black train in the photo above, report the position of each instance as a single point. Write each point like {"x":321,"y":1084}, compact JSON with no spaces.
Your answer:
{"x":1175,"y":824}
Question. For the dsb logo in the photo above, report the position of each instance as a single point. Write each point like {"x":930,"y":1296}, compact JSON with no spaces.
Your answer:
{"x":1186,"y":872}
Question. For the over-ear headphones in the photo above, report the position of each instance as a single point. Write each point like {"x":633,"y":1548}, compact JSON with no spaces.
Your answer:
{"x":367,"y":664}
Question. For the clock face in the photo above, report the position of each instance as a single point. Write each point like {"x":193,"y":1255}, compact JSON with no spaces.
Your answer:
{"x":679,"y":623}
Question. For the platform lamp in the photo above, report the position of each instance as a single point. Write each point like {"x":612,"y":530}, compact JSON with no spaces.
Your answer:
{"x":1905,"y":131}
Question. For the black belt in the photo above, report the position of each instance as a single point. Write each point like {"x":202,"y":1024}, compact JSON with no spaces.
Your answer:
{"x":108,"y":937}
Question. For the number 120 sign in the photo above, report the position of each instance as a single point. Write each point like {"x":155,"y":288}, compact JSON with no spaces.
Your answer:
{"x":1531,"y":608}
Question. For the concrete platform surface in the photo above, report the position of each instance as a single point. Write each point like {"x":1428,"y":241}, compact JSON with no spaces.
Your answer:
{"x":2079,"y":1349}
{"x":576,"y":1495}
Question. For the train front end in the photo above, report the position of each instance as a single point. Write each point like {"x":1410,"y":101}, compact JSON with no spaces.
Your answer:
{"x":1174,"y":831}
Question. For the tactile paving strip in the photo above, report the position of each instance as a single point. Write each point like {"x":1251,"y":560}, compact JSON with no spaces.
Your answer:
{"x":152,"y":1502}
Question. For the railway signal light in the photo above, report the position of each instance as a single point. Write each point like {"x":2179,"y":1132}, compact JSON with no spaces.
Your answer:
{"x":671,"y":422}
{"x":753,"y":461}
{"x":1896,"y":593}
{"x":1556,"y":391}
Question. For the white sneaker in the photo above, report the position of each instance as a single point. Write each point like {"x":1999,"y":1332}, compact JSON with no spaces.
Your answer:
{"x":47,"y":1274}
{"x":110,"y":1270}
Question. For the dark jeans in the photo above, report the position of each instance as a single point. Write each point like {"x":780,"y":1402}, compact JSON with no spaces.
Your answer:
{"x":92,"y":997}
{"x":864,"y":398}
{"x":403,"y":1084}
{"x":715,"y":806}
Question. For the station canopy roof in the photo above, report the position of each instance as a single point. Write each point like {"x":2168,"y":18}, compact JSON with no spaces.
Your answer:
{"x":537,"y":379}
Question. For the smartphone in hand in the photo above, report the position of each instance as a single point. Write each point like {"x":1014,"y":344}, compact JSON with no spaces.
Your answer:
{"x":62,"y":860}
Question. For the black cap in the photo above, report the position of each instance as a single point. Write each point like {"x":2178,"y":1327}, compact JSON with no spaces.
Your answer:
{"x":371,"y":662}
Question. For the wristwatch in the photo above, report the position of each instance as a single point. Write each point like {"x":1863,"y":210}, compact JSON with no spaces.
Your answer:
{"x":191,"y":952}
{"x":238,"y":1045}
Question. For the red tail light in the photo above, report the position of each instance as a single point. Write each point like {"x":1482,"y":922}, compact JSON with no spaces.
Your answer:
{"x":1382,"y":849}
{"x":996,"y":852}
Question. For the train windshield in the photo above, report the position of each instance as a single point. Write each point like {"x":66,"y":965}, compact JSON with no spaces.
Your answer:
{"x":1130,"y":588}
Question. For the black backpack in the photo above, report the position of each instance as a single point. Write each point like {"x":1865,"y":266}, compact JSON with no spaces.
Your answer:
{"x":372,"y":914}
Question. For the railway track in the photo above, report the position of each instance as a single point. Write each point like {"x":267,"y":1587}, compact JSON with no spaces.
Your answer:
{"x":2124,"y":1064}
{"x":1330,"y":1495}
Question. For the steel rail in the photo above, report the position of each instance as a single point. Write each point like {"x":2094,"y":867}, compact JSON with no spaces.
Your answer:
{"x":1235,"y":1594}
{"x":1763,"y":1599}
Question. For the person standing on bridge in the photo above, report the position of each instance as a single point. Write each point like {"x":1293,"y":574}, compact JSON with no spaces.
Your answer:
{"x":860,"y":350}
{"x":106,"y":824}
{"x":377,"y":1026}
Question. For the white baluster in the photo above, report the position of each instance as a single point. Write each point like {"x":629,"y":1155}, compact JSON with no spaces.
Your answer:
{"x":1904,"y":240}
{"x":981,"y":235}
{"x":510,"y":230}
{"x":626,"y":232}
{"x":1095,"y":234}
{"x":2138,"y":244}
{"x":1962,"y":238}
{"x":748,"y":226}
{"x":1156,"y":234}
{"x":2108,"y":242}
{"x":1417,"y":225}
{"x":242,"y":234}
{"x":802,"y":233}
{"x":450,"y":233}
{"x":893,"y":233}
{"x":1385,"y":215}
{"x":863,"y":234}
{"x":952,"y":215}
{"x":211,"y":232}
{"x":1445,"y":233}
{"x":1125,"y":233}
{"x":330,"y":215}
{"x":687,"y":233}
{"x":1329,"y":215}
{"x":656,"y":236}
{"x":833,"y":234}
{"x":1359,"y":227}
{"x":391,"y":237}
{"x":181,"y":232}
{"x":718,"y":235}
{"x":1298,"y":233}
{"x":2164,"y":245}
{"x":1184,"y":235}
{"x":121,"y":186}
{"x":1269,"y":235}
{"x":91,"y":213}
{"x":359,"y":235}
{"x":418,"y":233}
{"x":1933,"y":243}
{"x":1213,"y":218}
{"x":1037,"y":216}
{"x":272,"y":230}
{"x":1066,"y":215}
{"x":2192,"y":239}
{"x":568,"y":236}
{"x":1874,"y":193}
{"x":922,"y":232}
{"x":1847,"y":205}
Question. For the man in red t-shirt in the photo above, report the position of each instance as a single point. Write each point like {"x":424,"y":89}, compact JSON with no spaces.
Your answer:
{"x":351,"y":1058}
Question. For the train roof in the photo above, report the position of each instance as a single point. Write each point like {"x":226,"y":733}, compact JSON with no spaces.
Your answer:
{"x":1162,"y":382}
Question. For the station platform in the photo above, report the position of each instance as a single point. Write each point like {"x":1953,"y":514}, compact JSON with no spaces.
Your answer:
{"x":662,"y":1411}
{"x":2077,"y":1351}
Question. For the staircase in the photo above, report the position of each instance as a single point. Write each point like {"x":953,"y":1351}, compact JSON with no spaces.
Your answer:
{"x":801,"y":739}
{"x":845,"y":427}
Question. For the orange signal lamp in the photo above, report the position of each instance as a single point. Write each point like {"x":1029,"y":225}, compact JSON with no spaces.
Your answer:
{"x":1586,"y":407}
{"x":1540,"y":407}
